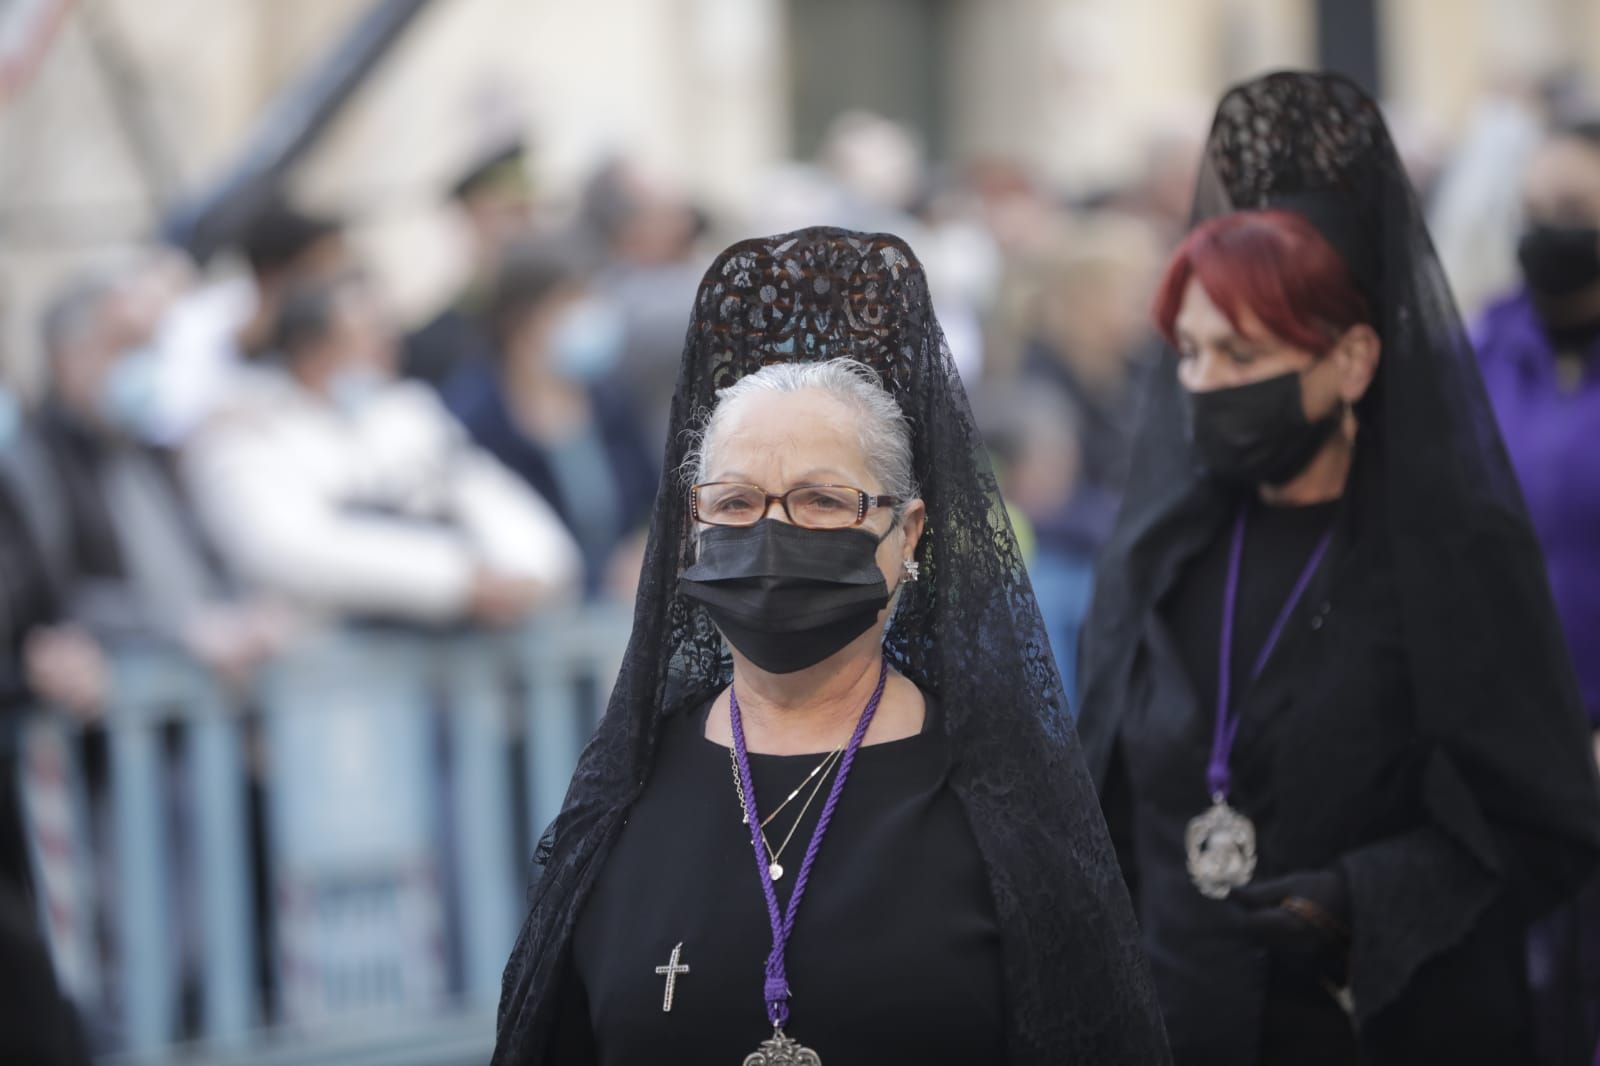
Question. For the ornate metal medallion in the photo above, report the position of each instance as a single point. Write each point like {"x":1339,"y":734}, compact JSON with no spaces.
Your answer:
{"x":781,"y":1051}
{"x":1221,"y":844}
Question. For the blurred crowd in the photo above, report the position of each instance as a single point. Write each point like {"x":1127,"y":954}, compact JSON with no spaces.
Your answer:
{"x":222,"y":459}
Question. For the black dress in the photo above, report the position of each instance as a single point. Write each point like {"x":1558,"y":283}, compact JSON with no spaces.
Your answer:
{"x":1331,"y":769}
{"x":1207,"y":1016}
{"x":896,"y":951}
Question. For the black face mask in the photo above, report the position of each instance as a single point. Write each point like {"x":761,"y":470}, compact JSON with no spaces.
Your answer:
{"x":1560,"y":260}
{"x":784,"y":596}
{"x":1256,"y":434}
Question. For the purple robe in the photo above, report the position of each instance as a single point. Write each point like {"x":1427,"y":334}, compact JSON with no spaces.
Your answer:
{"x":1553,"y":435}
{"x":1552,"y":431}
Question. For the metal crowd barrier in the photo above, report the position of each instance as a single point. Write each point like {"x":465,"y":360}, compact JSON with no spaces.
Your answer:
{"x":398,"y":827}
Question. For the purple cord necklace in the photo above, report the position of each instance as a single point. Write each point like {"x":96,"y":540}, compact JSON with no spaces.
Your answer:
{"x":1221,"y":843}
{"x":780,"y":1049}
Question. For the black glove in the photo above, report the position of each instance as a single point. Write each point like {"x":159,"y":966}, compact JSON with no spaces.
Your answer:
{"x":1303,"y":920}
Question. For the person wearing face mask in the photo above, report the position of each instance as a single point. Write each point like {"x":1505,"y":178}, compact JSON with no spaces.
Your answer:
{"x":334,"y":484}
{"x":1540,"y":352}
{"x":543,"y":405}
{"x":835,"y":808}
{"x":1336,"y":733}
{"x":123,"y":552}
{"x":119,"y":561}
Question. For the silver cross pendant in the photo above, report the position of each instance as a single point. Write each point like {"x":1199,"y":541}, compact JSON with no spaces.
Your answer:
{"x":671,"y":971}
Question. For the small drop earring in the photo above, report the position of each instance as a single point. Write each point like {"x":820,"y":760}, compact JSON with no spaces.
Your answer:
{"x":913,"y":570}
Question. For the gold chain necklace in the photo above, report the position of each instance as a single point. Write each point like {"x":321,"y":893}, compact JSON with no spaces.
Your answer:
{"x":774,"y":867}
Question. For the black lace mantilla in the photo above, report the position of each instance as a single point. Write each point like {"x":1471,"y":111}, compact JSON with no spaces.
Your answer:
{"x":1285,"y":135}
{"x":1313,"y":146}
{"x":858,"y":296}
{"x":968,"y":632}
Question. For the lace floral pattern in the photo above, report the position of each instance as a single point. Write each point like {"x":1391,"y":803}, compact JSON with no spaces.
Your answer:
{"x":1286,"y":134}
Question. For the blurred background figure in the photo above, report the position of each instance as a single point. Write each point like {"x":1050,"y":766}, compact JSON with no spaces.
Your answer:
{"x":878,"y":168}
{"x":1476,"y":205}
{"x":1540,"y":350}
{"x":214,"y":329}
{"x":331,"y":482}
{"x":647,"y":231}
{"x":120,"y":563}
{"x":39,"y":1024}
{"x":124,"y":553}
{"x":1085,"y":334}
{"x":1062,"y":518}
{"x":495,"y":202}
{"x":543,"y":403}
{"x":1162,"y":194}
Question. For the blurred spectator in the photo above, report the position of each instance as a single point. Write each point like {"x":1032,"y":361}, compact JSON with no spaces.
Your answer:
{"x":963,"y":263}
{"x":1476,"y":209}
{"x":25,"y":605}
{"x":27,"y":595}
{"x":1540,"y":349}
{"x":123,"y":549}
{"x":330,"y":481}
{"x":643,"y":219}
{"x":542,"y":407}
{"x":215,"y":329}
{"x":37,"y":1024}
{"x":1163,"y":195}
{"x":878,"y":166}
{"x":1084,"y":334}
{"x":496,"y":203}
{"x":1032,"y":435}
{"x":647,"y":229}
{"x":123,"y":560}
{"x":1020,"y":214}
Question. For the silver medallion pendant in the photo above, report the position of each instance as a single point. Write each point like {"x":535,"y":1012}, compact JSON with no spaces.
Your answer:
{"x":781,"y":1051}
{"x":1221,"y":844}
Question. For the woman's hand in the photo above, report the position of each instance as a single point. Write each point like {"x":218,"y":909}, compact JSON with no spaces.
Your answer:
{"x":1303,"y":919}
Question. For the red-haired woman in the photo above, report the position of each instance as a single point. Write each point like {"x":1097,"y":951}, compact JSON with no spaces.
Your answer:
{"x":1335,"y":731}
{"x":1275,"y":346}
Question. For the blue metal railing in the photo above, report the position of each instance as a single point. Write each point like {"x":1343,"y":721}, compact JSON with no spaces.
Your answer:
{"x":398,"y":829}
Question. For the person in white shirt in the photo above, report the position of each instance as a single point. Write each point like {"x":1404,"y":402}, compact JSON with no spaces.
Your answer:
{"x":326,"y":479}
{"x":217,"y":327}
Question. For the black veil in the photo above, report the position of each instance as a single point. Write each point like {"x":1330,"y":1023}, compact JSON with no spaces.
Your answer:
{"x":1494,"y":692}
{"x":968,"y":632}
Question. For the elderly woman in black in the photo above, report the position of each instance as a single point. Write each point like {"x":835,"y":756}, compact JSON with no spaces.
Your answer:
{"x":861,"y":833}
{"x":1326,"y":699}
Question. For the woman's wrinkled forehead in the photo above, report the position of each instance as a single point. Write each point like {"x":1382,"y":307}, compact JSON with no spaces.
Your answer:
{"x":772,"y":437}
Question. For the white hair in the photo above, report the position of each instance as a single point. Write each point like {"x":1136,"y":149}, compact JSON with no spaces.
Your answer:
{"x":884,"y":430}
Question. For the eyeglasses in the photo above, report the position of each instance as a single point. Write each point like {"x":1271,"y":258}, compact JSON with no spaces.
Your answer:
{"x":729,"y":503}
